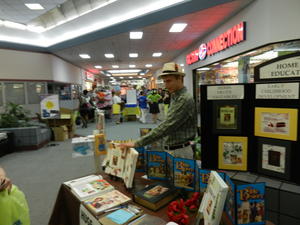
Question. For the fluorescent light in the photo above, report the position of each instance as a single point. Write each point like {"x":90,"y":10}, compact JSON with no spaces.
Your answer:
{"x":37,"y":29}
{"x":124,"y":71}
{"x":231,"y":64}
{"x":85,"y":56}
{"x":108,"y":75}
{"x":109,"y":55}
{"x":98,"y":67}
{"x":131,"y":66}
{"x":181,"y":64}
{"x":121,"y":77}
{"x":157,"y":54}
{"x":136,"y":35}
{"x":142,"y":73}
{"x":133,"y":55}
{"x":203,"y":69}
{"x":115,"y":66}
{"x":148,"y":65}
{"x":14,"y":25}
{"x":34,"y":6}
{"x":177,"y":27}
{"x":139,"y":77}
{"x":266,"y":55}
{"x":130,"y":77}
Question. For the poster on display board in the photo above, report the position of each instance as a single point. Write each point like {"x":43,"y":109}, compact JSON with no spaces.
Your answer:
{"x":49,"y":106}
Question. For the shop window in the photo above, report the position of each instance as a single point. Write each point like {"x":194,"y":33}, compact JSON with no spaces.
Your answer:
{"x":15,"y":93}
{"x":1,"y":94}
{"x":34,"y":91}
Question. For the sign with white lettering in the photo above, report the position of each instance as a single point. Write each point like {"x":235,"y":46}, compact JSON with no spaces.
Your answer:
{"x":277,"y":91}
{"x":225,"y":92}
{"x":86,"y":218}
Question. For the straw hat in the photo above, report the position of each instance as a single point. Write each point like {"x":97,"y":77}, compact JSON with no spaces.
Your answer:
{"x":171,"y":68}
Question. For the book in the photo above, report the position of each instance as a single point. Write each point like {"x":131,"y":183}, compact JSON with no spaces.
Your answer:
{"x":230,"y":202}
{"x":147,"y":219}
{"x":213,"y":201}
{"x":90,"y":188}
{"x":156,"y":165}
{"x":129,"y":167}
{"x":76,"y":181}
{"x":184,"y":173}
{"x":115,"y":160}
{"x":122,"y":216}
{"x":204,"y":178}
{"x":170,"y":167}
{"x":155,"y":196}
{"x":100,"y":203}
{"x":250,"y":199}
{"x":140,"y":165}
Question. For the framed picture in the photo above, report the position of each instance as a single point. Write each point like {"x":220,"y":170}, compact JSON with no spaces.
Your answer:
{"x":233,"y":152}
{"x":274,"y":157}
{"x":280,"y":123}
{"x":227,"y":117}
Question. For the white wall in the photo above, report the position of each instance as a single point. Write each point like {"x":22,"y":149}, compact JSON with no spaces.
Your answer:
{"x":268,"y":21}
{"x":24,"y":65}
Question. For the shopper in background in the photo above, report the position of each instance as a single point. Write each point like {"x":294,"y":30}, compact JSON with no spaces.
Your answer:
{"x":161,"y":115}
{"x":142,"y":99}
{"x":153,"y":99}
{"x":84,"y":106}
{"x":5,"y":182}
{"x":179,"y":127}
{"x":166,"y":100}
{"x":117,"y":103}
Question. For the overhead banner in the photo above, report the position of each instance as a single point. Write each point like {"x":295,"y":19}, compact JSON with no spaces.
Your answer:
{"x":49,"y":106}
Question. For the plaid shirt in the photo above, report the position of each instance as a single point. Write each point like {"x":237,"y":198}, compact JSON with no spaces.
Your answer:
{"x":179,"y":125}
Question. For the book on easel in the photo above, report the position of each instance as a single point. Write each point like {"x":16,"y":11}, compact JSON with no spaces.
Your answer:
{"x":155,"y":196}
{"x":129,"y":167}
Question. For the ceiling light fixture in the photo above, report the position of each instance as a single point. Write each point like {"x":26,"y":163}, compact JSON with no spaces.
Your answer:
{"x":157,"y":54}
{"x":109,"y":55}
{"x":142,"y":73}
{"x":115,"y":66}
{"x":136,"y":35}
{"x":148,"y":65}
{"x":130,"y":77}
{"x":124,"y":71}
{"x":34,"y":6}
{"x":177,"y":27}
{"x":133,"y":55}
{"x":84,"y":56}
{"x":121,"y":77}
{"x":181,"y":64}
{"x":98,"y":67}
{"x":203,"y":69}
{"x":131,"y":66}
{"x":14,"y":25}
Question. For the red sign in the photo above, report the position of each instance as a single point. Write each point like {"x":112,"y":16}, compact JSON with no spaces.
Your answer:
{"x":229,"y":38}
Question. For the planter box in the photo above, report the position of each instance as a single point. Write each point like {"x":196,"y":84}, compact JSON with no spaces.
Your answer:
{"x":29,"y":138}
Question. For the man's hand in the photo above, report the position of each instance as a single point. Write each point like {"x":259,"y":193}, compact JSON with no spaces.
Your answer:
{"x":127,"y":145}
{"x":5,"y":183}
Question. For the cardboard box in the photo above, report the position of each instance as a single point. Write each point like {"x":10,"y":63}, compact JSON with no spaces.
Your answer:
{"x":60,"y":133}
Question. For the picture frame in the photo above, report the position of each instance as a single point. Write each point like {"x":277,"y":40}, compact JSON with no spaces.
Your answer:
{"x":233,"y":152}
{"x":278,"y":123}
{"x":227,"y":116}
{"x":274,"y":157}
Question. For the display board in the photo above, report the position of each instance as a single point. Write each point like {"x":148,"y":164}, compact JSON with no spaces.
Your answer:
{"x":131,"y":97}
{"x":49,"y":106}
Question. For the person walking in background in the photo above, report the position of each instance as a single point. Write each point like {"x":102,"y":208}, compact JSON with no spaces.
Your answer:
{"x":161,"y":115}
{"x":166,"y":100}
{"x":84,"y":107}
{"x":5,"y":182}
{"x":153,"y":99}
{"x":142,"y":100}
{"x":117,"y":103}
{"x":180,"y":126}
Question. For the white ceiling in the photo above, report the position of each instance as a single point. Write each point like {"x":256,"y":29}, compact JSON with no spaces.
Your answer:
{"x":201,"y":16}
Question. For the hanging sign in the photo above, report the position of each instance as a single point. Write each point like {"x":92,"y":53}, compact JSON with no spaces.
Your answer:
{"x":277,"y":91}
{"x":49,"y":106}
{"x":225,"y":92}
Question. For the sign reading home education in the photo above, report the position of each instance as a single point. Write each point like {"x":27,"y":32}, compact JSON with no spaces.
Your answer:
{"x":49,"y":106}
{"x":225,"y":92}
{"x":286,"y":68}
{"x":277,"y":91}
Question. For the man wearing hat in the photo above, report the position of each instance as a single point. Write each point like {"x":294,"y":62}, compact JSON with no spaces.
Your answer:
{"x":179,"y":127}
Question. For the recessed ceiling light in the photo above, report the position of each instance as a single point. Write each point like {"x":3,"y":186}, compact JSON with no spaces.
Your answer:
{"x":133,"y":55}
{"x":115,"y":66}
{"x":131,"y":66}
{"x":157,"y":54}
{"x":124,"y":71}
{"x":148,"y":65}
{"x":177,"y":27}
{"x":121,"y":77}
{"x":181,"y":64}
{"x":98,"y":67}
{"x":136,"y":35}
{"x":34,"y":6}
{"x":142,"y":73}
{"x":109,"y":55}
{"x":84,"y":56}
{"x":130,"y":77}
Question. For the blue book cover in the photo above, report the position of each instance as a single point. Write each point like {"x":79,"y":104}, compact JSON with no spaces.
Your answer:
{"x":184,"y":173}
{"x":170,"y":170}
{"x":204,"y":176}
{"x":140,"y":165}
{"x":230,"y":205}
{"x":250,"y":199}
{"x":156,"y":165}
